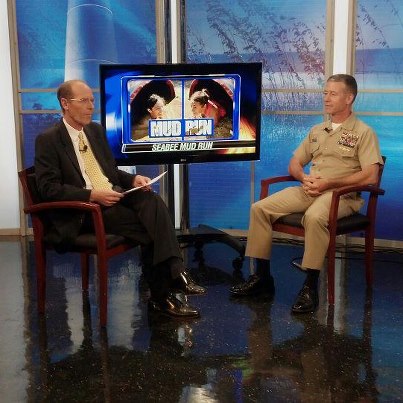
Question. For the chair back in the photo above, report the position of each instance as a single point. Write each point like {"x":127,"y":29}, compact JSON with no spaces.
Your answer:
{"x":31,"y":198}
{"x":29,"y":187}
{"x":381,"y":167}
{"x":373,"y":198}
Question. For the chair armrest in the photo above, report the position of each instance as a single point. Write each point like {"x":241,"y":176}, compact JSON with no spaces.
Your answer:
{"x":75,"y":205}
{"x":374,"y":192}
{"x":265,"y":183}
{"x":93,"y":208}
{"x":364,"y":188}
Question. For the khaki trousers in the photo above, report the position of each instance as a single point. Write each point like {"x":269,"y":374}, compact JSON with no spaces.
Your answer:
{"x":315,"y":220}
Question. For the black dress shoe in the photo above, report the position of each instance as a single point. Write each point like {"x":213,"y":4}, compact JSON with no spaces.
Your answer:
{"x":186,"y":284}
{"x":174,"y":307}
{"x":253,"y":286}
{"x":307,"y":301}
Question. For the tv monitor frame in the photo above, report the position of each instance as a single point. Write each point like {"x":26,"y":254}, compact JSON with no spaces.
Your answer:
{"x":229,"y":129}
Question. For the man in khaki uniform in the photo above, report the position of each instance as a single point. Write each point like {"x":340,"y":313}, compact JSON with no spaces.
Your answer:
{"x":342,"y":151}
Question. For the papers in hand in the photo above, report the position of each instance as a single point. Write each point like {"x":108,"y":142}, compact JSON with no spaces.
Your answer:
{"x":147,"y":184}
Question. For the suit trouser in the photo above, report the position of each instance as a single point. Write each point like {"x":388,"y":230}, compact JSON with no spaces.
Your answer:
{"x":315,"y":220}
{"x":143,"y":217}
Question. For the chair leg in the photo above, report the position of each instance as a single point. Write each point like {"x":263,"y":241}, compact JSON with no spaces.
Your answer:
{"x":103,"y":290}
{"x":85,"y":270}
{"x":40,"y":253}
{"x":331,"y":257}
{"x":369,"y":255}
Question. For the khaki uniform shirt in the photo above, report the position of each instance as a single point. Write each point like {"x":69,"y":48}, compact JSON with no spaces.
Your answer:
{"x":341,"y":152}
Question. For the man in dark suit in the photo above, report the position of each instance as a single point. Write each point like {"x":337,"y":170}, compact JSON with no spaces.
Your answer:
{"x":64,"y":173}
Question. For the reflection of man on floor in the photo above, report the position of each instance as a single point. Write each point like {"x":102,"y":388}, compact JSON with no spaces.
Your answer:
{"x":318,"y":365}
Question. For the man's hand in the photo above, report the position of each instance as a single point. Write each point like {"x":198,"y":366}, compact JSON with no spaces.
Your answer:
{"x":105,"y":197}
{"x":314,"y":186}
{"x":140,"y":180}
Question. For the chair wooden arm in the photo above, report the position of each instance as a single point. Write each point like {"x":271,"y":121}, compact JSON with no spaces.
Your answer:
{"x":75,"y":205}
{"x":93,"y":208}
{"x":265,"y":183}
{"x":373,"y":191}
{"x":363,"y":188}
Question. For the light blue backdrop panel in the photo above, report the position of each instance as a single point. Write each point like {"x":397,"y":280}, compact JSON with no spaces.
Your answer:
{"x":379,"y":56}
{"x":42,"y":25}
{"x":390,"y":208}
{"x":288,"y":37}
{"x":220,"y":194}
{"x":41,"y":29}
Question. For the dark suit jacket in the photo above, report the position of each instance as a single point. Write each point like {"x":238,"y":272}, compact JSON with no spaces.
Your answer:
{"x":59,"y":176}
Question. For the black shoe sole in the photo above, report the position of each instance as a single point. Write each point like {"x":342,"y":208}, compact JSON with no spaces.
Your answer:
{"x":256,"y":294}
{"x":176,"y":317}
{"x":156,"y":311}
{"x":250,"y":299}
{"x":175,"y":290}
{"x":297,"y":312}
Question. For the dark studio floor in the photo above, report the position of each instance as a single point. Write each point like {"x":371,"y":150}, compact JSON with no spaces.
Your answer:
{"x":238,"y":351}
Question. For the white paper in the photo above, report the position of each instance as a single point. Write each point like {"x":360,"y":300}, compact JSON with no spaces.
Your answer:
{"x":147,"y":184}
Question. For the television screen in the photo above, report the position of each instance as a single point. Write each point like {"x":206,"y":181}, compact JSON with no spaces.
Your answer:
{"x":182,"y":113}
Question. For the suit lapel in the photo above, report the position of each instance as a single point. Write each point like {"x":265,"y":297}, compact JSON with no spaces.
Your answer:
{"x":67,"y":144}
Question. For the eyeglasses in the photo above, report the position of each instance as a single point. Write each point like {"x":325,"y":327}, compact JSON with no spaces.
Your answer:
{"x":83,"y":100}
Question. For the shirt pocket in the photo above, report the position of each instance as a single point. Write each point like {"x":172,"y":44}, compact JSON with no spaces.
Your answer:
{"x":346,"y":152}
{"x":314,"y":148}
{"x":347,"y":144}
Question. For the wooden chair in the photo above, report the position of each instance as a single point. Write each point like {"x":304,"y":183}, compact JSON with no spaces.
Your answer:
{"x":98,"y":243}
{"x":291,"y":224}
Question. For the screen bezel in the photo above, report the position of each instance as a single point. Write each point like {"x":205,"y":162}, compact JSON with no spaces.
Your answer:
{"x":252,"y":72}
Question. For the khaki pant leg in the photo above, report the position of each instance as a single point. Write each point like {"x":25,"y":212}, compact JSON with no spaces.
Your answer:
{"x":264,"y":212}
{"x":315,"y":222}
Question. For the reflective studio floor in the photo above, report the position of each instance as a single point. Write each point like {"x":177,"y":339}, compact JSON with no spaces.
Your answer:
{"x":238,"y":351}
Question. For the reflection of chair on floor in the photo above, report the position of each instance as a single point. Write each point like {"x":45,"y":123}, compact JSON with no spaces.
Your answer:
{"x":321,"y":363}
{"x":84,"y":366}
{"x":81,"y":375}
{"x":291,"y":224}
{"x":101,"y":244}
{"x":350,"y":358}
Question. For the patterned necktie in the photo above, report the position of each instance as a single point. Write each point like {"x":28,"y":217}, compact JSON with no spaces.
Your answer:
{"x":92,"y":168}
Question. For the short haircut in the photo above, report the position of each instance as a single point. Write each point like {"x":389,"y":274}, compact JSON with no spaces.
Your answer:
{"x":348,"y":80}
{"x":65,"y":90}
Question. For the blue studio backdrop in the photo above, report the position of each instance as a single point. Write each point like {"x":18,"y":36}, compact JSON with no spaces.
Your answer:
{"x":288,"y":37}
